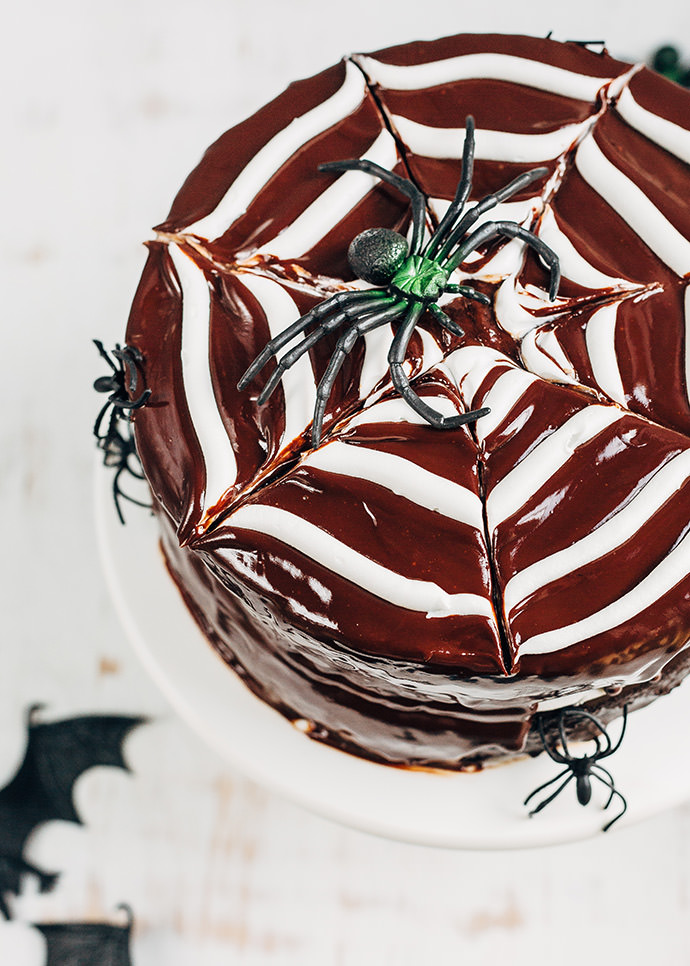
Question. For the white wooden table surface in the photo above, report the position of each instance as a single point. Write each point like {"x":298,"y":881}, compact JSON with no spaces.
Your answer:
{"x":105,"y":109}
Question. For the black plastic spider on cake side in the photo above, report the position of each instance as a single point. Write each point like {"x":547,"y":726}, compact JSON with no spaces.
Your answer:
{"x":581,"y":768}
{"x":117,"y":446}
{"x":408,"y":280}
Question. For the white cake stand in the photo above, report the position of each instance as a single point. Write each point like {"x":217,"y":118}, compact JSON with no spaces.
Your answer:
{"x":480,"y":810}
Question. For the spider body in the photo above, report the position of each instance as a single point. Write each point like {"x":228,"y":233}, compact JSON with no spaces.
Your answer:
{"x":118,"y":447}
{"x":580,"y":768}
{"x":420,"y":279}
{"x":409,"y":279}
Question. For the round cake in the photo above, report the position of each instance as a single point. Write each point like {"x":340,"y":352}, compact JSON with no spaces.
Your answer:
{"x":415,"y":594}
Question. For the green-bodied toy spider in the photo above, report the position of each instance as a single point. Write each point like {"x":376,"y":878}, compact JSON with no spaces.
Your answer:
{"x":409,"y":279}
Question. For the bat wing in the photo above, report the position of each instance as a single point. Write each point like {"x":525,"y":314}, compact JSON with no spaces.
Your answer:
{"x":57,"y":753}
{"x":87,"y":944}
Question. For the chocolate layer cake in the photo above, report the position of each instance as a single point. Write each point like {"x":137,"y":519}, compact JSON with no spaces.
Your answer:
{"x":411,"y":594}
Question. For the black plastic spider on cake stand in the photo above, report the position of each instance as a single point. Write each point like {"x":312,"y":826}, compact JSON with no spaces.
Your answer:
{"x":580,"y":768}
{"x":119,"y":450}
{"x":409,"y":280}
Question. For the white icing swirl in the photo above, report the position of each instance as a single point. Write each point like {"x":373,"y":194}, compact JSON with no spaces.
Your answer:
{"x":634,"y":207}
{"x":219,"y":458}
{"x":484,"y":66}
{"x":417,"y":595}
{"x":277,"y":151}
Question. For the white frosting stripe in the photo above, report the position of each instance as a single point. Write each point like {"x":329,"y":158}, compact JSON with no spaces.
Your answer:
{"x":470,"y":366}
{"x":377,"y":345}
{"x":277,"y":151}
{"x":668,"y":135}
{"x":622,"y":526}
{"x":299,"y":385}
{"x":537,"y":468}
{"x":400,"y":476}
{"x":600,"y":338}
{"x":544,"y":355}
{"x":484,"y":66}
{"x":512,"y":304}
{"x":417,"y":595}
{"x":431,"y":350}
{"x":573,"y":265}
{"x":332,"y":205}
{"x":219,"y":458}
{"x":670,"y":572}
{"x":396,"y":410}
{"x":449,"y":142}
{"x":502,"y":398}
{"x":375,"y":369}
{"x":687,"y":342}
{"x":634,"y":207}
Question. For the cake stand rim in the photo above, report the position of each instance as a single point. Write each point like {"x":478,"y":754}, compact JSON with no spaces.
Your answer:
{"x":447,"y":809}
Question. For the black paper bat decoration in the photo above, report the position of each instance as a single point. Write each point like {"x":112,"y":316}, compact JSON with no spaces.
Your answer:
{"x":88,"y":943}
{"x":56,"y":755}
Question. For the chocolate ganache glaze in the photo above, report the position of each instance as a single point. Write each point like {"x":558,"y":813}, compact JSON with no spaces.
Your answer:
{"x":410,"y":594}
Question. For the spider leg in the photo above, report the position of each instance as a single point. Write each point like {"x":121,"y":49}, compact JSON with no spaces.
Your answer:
{"x":564,"y":738}
{"x":142,"y":400}
{"x":463,"y":226}
{"x":342,"y":300}
{"x":131,"y":357}
{"x":291,"y":357}
{"x":614,"y":791}
{"x":119,"y":493}
{"x":595,"y":738}
{"x":461,"y":193}
{"x":129,"y":404}
{"x":469,"y":293}
{"x":549,"y":798}
{"x":617,"y":745}
{"x":99,"y":420}
{"x":609,"y":784}
{"x":105,"y":355}
{"x":446,"y":320}
{"x":111,"y":439}
{"x":510,"y":230}
{"x":343,"y":347}
{"x":551,"y":752}
{"x":396,"y":357}
{"x":131,"y":454}
{"x":404,"y":185}
{"x":574,"y":713}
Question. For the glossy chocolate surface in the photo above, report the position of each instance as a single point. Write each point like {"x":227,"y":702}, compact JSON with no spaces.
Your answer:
{"x":433,"y":607}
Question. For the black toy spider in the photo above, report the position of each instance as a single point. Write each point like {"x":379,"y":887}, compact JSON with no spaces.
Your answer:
{"x":118,"y":447}
{"x":128,"y":356}
{"x":409,"y":279}
{"x":582,"y":768}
